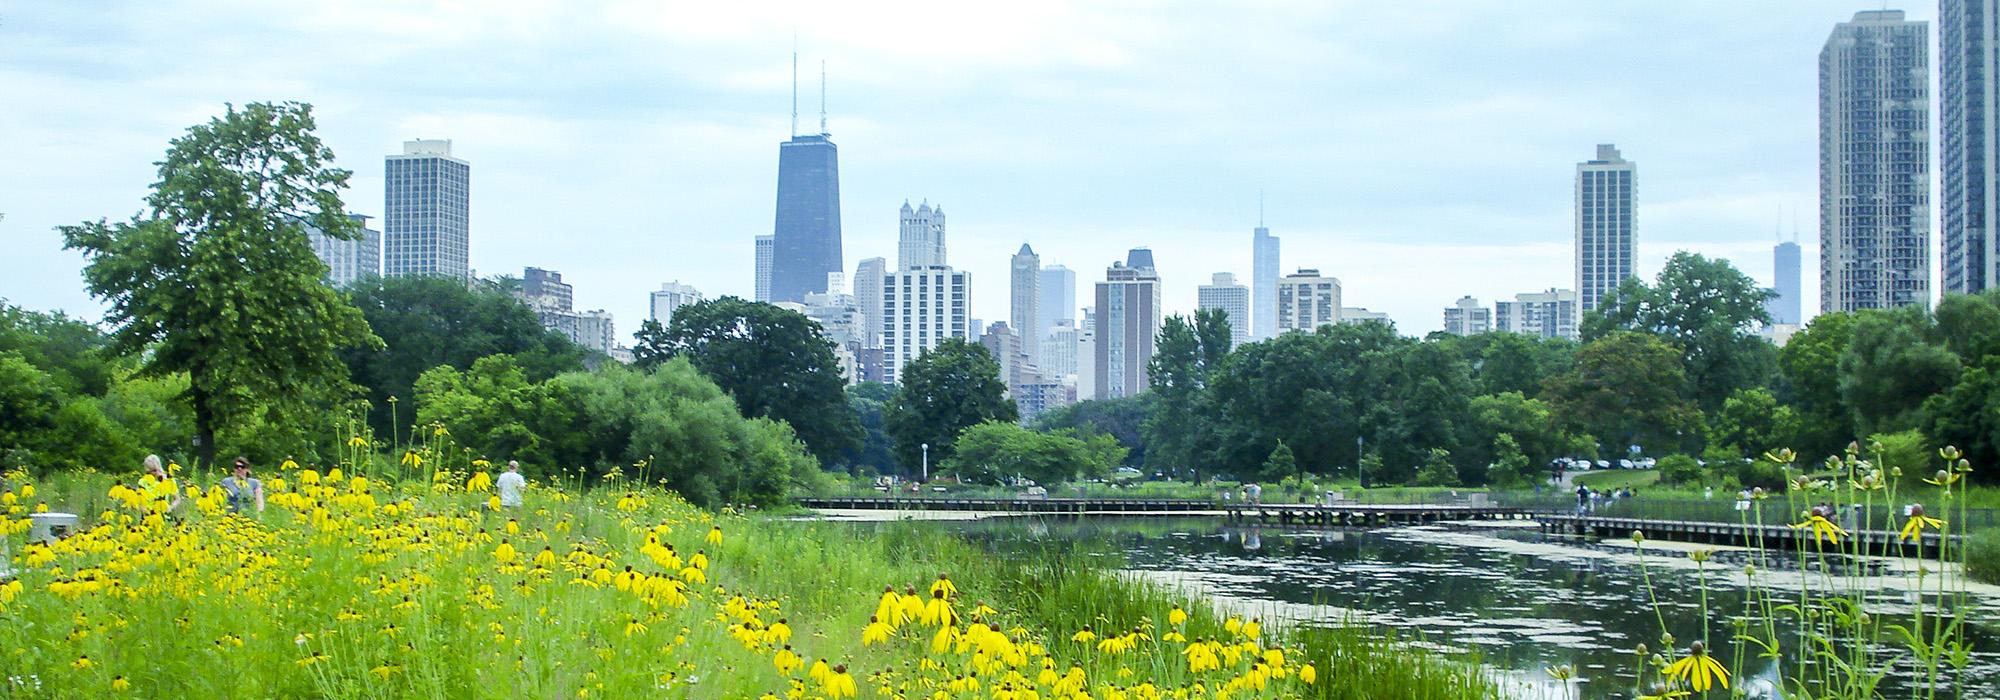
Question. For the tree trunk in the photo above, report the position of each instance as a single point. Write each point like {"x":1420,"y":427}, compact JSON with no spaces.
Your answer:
{"x":204,"y":427}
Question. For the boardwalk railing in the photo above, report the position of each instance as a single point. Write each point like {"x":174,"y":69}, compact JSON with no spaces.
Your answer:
{"x":1880,"y":542}
{"x":1327,"y":514}
{"x":1774,"y":511}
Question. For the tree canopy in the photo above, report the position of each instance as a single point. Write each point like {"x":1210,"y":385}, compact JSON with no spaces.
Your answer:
{"x":773,"y":361}
{"x":996,"y":451}
{"x":218,"y":281}
{"x":950,"y":387}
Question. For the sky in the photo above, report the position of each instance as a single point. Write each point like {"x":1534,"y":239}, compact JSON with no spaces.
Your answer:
{"x":1418,"y":151}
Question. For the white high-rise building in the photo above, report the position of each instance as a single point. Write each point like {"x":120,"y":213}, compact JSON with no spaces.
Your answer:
{"x":672,"y":295}
{"x":1604,"y":223}
{"x":1127,"y":325}
{"x":1307,"y":301}
{"x":347,"y":261}
{"x":1222,"y":292}
{"x":766,"y":249}
{"x":1058,"y":303}
{"x":1467,"y":317}
{"x":1059,"y":352}
{"x":1024,"y":302}
{"x":1550,"y":314}
{"x":426,"y":212}
{"x":868,"y":277}
{"x":1358,"y":314}
{"x":921,"y":242}
{"x":1264,"y":276}
{"x":1874,"y":163}
{"x":922,"y":307}
{"x":1086,"y":355}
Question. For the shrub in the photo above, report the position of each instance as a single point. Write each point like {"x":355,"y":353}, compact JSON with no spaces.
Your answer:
{"x":1677,"y":470}
{"x":1982,"y":557}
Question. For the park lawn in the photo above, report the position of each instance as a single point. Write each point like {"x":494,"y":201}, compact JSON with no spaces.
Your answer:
{"x":1609,"y":479}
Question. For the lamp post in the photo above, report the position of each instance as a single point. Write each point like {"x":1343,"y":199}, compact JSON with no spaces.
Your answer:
{"x":1360,"y":469}
{"x":927,"y":461}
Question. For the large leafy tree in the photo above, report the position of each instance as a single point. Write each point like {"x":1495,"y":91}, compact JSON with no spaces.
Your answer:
{"x":218,"y":280}
{"x":1187,"y":352}
{"x":430,"y":322}
{"x":1708,"y":309}
{"x":1890,"y":366}
{"x":950,"y":387}
{"x":1526,"y":424}
{"x":1809,"y":372}
{"x":1124,"y":419}
{"x":1750,"y":423}
{"x":868,"y":399}
{"x":1968,"y":415}
{"x":998,"y":450}
{"x":772,"y":360}
{"x":1626,"y":388}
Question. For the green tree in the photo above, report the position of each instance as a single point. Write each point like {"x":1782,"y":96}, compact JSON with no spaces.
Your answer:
{"x":1968,"y":415}
{"x":1518,"y":363}
{"x":72,"y":352}
{"x":1626,"y":387}
{"x":1526,"y":423}
{"x":429,"y":322}
{"x":1123,"y":419}
{"x":1751,"y":421}
{"x":1177,"y":428}
{"x":1212,"y":328}
{"x":1890,"y":366}
{"x":1969,"y":325}
{"x":1679,"y":469}
{"x":1510,"y":468}
{"x":1809,"y":368}
{"x":1281,"y":464}
{"x":1708,"y":309}
{"x":218,"y":280}
{"x":496,"y":407}
{"x":1437,"y":469}
{"x":1909,"y":450}
{"x":774,"y":361}
{"x":994,"y":451}
{"x":950,"y":387}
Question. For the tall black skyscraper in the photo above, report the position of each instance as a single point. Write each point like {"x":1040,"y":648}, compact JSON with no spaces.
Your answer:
{"x":806,"y":239}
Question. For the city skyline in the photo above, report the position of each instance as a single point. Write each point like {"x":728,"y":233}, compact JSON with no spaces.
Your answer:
{"x":699,"y":181}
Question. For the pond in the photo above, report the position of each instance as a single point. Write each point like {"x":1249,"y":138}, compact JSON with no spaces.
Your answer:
{"x":1520,"y":600}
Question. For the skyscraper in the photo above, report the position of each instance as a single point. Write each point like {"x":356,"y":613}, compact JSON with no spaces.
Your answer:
{"x":426,"y":210}
{"x":868,"y":276}
{"x":1307,"y":301}
{"x":1058,"y":302}
{"x":765,"y":249}
{"x":1467,"y":317}
{"x":805,"y":241}
{"x":1222,"y":292}
{"x":1264,"y":276}
{"x":1604,"y":223}
{"x":1967,"y":162}
{"x":1784,"y":307}
{"x":347,"y":261}
{"x":671,"y":297}
{"x":921,"y":241}
{"x":1025,"y":298}
{"x":1127,"y":323}
{"x":1874,"y":163}
{"x":545,"y":289}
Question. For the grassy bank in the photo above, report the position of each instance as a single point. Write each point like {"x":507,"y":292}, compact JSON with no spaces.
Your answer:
{"x":352,"y":589}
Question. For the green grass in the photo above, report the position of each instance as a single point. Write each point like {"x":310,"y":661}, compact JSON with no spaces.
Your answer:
{"x":1619,"y":478}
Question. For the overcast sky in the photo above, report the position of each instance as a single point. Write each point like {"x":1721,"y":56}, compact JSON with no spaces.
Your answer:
{"x":1418,"y":151}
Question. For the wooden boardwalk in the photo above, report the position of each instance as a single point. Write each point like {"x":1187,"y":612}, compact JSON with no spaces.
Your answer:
{"x":1335,"y":515}
{"x":1878,"y":542}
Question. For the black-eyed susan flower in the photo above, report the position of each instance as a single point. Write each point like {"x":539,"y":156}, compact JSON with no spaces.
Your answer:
{"x":1822,"y":529}
{"x":1914,"y":528}
{"x":1698,"y":669}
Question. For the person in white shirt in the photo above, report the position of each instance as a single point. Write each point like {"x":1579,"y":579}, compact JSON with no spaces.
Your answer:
{"x":510,"y":484}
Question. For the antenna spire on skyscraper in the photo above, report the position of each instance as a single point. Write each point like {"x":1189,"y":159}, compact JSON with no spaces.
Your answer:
{"x":822,"y":97}
{"x":795,"y":85}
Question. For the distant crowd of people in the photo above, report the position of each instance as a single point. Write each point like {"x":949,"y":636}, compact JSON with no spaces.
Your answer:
{"x":1588,"y":500}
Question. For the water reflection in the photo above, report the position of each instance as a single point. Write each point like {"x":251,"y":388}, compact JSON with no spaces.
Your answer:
{"x":1520,"y":602}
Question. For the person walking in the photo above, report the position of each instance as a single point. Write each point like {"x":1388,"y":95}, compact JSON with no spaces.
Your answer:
{"x":510,"y":484}
{"x":243,"y":490}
